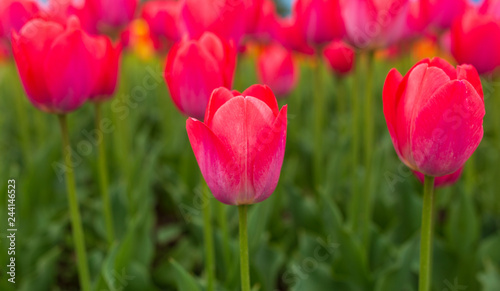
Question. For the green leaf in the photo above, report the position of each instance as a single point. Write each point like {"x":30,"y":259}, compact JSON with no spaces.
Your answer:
{"x":490,"y":278}
{"x":185,"y":281}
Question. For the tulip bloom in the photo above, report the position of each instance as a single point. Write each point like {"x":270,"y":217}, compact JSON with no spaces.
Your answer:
{"x":434,"y":115}
{"x":276,"y":68}
{"x":163,"y":18}
{"x":195,"y":68}
{"x":241,"y":144}
{"x":472,"y":41}
{"x":370,"y":23}
{"x":320,"y":21}
{"x":55,"y":64}
{"x":107,"y":58}
{"x":340,"y":57}
{"x":442,"y":181}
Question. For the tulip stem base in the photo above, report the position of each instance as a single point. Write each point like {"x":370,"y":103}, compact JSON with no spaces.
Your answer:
{"x":208,"y":237}
{"x":103,"y":177}
{"x":426,"y":235}
{"x":76,"y":223}
{"x":244,"y":264}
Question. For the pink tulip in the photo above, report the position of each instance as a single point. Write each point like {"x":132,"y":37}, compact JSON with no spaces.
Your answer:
{"x":163,"y":18}
{"x":340,"y":57}
{"x":107,"y":58}
{"x":222,"y":17}
{"x":276,"y":69}
{"x":14,"y":14}
{"x":320,"y":21}
{"x":267,"y":22}
{"x":371,"y":23}
{"x":55,"y":64}
{"x":287,"y":32}
{"x":434,"y":115}
{"x":241,"y":144}
{"x":253,"y":13}
{"x":195,"y":68}
{"x":472,"y":41}
{"x":442,"y":13}
{"x":114,"y":13}
{"x":443,"y":180}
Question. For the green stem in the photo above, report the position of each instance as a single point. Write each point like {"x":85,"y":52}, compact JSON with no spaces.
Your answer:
{"x":341,"y":96}
{"x":208,"y":236}
{"x":244,"y":265}
{"x":103,"y":177}
{"x":426,"y":236}
{"x":369,"y":144}
{"x":24,"y":132}
{"x":355,"y":200}
{"x":222,"y":218}
{"x":76,"y":223}
{"x":319,"y":110}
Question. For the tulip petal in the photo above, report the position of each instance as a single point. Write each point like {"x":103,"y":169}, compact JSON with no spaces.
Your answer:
{"x":445,"y":66}
{"x":469,"y":73}
{"x":448,"y":129}
{"x":68,"y":71}
{"x":216,"y":163}
{"x":30,"y":48}
{"x":265,"y":94}
{"x":219,"y":97}
{"x":422,"y":82}
{"x":390,"y":101}
{"x":238,"y":124}
{"x":268,"y":157}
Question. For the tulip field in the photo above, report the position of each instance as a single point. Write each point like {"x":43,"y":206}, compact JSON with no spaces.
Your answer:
{"x":250,"y":145}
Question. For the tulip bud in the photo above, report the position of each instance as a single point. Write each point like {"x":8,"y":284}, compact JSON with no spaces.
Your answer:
{"x":241,"y":144}
{"x":472,"y":41}
{"x":340,"y":57}
{"x":55,"y":64}
{"x":107,"y":63}
{"x":434,"y":115}
{"x":195,"y":68}
{"x":276,"y":69}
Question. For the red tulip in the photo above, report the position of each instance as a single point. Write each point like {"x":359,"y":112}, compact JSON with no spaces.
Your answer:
{"x":195,"y":68}
{"x":107,"y":58}
{"x":14,"y":14}
{"x":221,"y":17}
{"x":55,"y":64}
{"x":163,"y":18}
{"x":276,"y":68}
{"x":434,"y":115}
{"x":340,"y":57}
{"x":443,"y":180}
{"x":320,"y":21}
{"x":472,"y":41}
{"x":371,"y":23}
{"x":241,"y":144}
